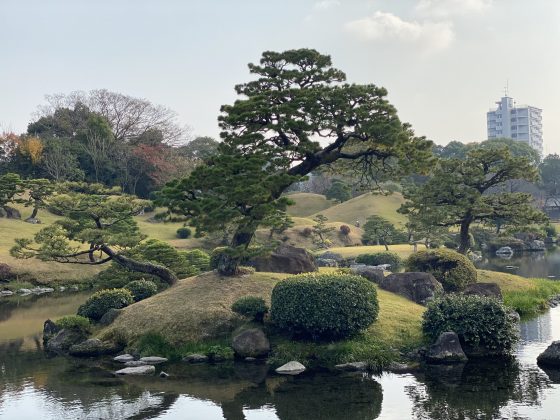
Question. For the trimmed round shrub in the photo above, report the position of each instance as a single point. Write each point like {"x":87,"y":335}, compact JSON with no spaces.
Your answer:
{"x":378,"y":258}
{"x":252,"y":307}
{"x":324,"y":306}
{"x":141,"y":289}
{"x":100,"y":302}
{"x":198,"y":259}
{"x":184,"y":232}
{"x":483,"y":324}
{"x":74,"y":322}
{"x":345,"y":230}
{"x":307,"y":232}
{"x":453,"y":270}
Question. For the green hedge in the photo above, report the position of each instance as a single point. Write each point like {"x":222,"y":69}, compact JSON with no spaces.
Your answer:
{"x":100,"y":302}
{"x":453,"y":270}
{"x":74,"y":322}
{"x":482,"y":323}
{"x":141,"y":289}
{"x":378,"y":258}
{"x":324,"y":306}
{"x":183,"y":233}
{"x":252,"y":307}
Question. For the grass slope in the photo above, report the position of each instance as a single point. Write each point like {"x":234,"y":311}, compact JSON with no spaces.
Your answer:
{"x":403,"y":250}
{"x":307,"y":204}
{"x":365,"y":205}
{"x":198,"y":309}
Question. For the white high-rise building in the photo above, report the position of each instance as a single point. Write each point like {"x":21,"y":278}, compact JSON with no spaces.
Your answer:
{"x":517,"y":122}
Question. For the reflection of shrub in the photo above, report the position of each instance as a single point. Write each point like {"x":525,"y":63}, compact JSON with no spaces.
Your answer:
{"x":482,"y":323}
{"x":75,"y":322}
{"x":100,"y":302}
{"x":324,"y":305}
{"x":453,"y":270}
{"x":252,"y":307}
{"x":183,"y":232}
{"x":379,"y":258}
{"x":141,"y":289}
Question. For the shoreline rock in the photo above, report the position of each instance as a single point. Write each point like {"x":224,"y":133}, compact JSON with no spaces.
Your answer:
{"x":139,"y":370}
{"x":291,"y":368}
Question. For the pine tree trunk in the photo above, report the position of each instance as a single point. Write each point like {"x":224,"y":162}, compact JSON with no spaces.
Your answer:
{"x":141,"y":266}
{"x":228,"y":265}
{"x":464,"y":237}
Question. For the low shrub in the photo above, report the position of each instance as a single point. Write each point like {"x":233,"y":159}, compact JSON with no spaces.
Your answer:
{"x":100,"y":302}
{"x":220,"y":353}
{"x":216,"y":255}
{"x":482,"y":323}
{"x":307,"y":232}
{"x":324,"y":306}
{"x":378,"y":258}
{"x":198,"y":259}
{"x":550,"y":231}
{"x":252,"y":307}
{"x":184,"y":233}
{"x":75,"y":322}
{"x":141,"y":289}
{"x":345,"y":230}
{"x":453,"y":270}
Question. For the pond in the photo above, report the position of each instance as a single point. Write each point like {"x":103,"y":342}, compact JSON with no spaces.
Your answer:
{"x":33,"y":386}
{"x":544,"y":264}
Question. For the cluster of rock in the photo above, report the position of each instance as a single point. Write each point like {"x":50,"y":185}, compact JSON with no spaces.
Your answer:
{"x":37,"y":291}
{"x":141,"y":366}
{"x":285,"y":259}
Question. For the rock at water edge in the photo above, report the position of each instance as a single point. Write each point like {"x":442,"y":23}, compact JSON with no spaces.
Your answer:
{"x":251,"y":343}
{"x":447,"y":349}
{"x":291,"y":368}
{"x":139,"y":370}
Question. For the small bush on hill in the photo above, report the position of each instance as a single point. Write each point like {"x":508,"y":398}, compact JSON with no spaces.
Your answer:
{"x":453,"y":270}
{"x":379,"y":258}
{"x":75,"y":322}
{"x":307,"y":232}
{"x":252,"y":307}
{"x":100,"y":302}
{"x":198,"y":259}
{"x":482,"y":323}
{"x":215,"y":256}
{"x":184,"y":232}
{"x":324,"y":306}
{"x":141,"y":289}
{"x":345,"y":230}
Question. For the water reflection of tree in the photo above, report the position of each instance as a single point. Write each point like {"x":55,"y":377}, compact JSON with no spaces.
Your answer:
{"x":475,"y":390}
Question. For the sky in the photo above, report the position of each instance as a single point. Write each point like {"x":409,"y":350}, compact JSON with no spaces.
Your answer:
{"x":444,"y":62}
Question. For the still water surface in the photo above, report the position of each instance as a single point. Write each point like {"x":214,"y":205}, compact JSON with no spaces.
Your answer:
{"x":35,"y":387}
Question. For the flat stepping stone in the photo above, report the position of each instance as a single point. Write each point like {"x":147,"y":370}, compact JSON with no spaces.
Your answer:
{"x":133,"y":363}
{"x":124,"y":358}
{"x":138,"y":370}
{"x":291,"y":368}
{"x":352,"y":366}
{"x":153,"y":360}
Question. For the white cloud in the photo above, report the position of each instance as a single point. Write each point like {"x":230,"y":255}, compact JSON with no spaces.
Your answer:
{"x":446,"y":8}
{"x":326,"y":4}
{"x":430,"y":36}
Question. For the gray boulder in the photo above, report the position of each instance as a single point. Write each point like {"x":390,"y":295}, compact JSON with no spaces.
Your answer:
{"x":447,"y":349}
{"x":63,"y":340}
{"x":352,"y":366}
{"x":291,"y":368}
{"x":33,"y":220}
{"x":109,"y":317}
{"x":551,"y":356}
{"x":133,"y":363}
{"x":123,"y":358}
{"x":94,"y":347}
{"x":138,"y":370}
{"x":536,"y":245}
{"x":50,"y":329}
{"x":418,"y":287}
{"x":484,"y":289}
{"x":12,"y":213}
{"x":286,"y":259}
{"x":505,"y":250}
{"x":6,"y":293}
{"x":251,"y":343}
{"x":153,"y":360}
{"x":370,"y":272}
{"x":332,"y":256}
{"x":195,"y":358}
{"x":326,"y":262}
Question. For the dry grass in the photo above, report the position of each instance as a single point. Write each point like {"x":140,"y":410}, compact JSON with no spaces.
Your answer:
{"x":403,"y":250}
{"x":365,"y":205}
{"x":195,"y":309}
{"x":306,"y":204}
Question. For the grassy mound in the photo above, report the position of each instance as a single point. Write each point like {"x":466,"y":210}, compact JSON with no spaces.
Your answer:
{"x":361,"y":207}
{"x":402,"y":250}
{"x":306,"y":204}
{"x":198,"y":309}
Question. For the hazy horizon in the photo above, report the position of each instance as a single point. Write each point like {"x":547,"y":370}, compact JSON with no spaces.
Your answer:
{"x":444,"y":62}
